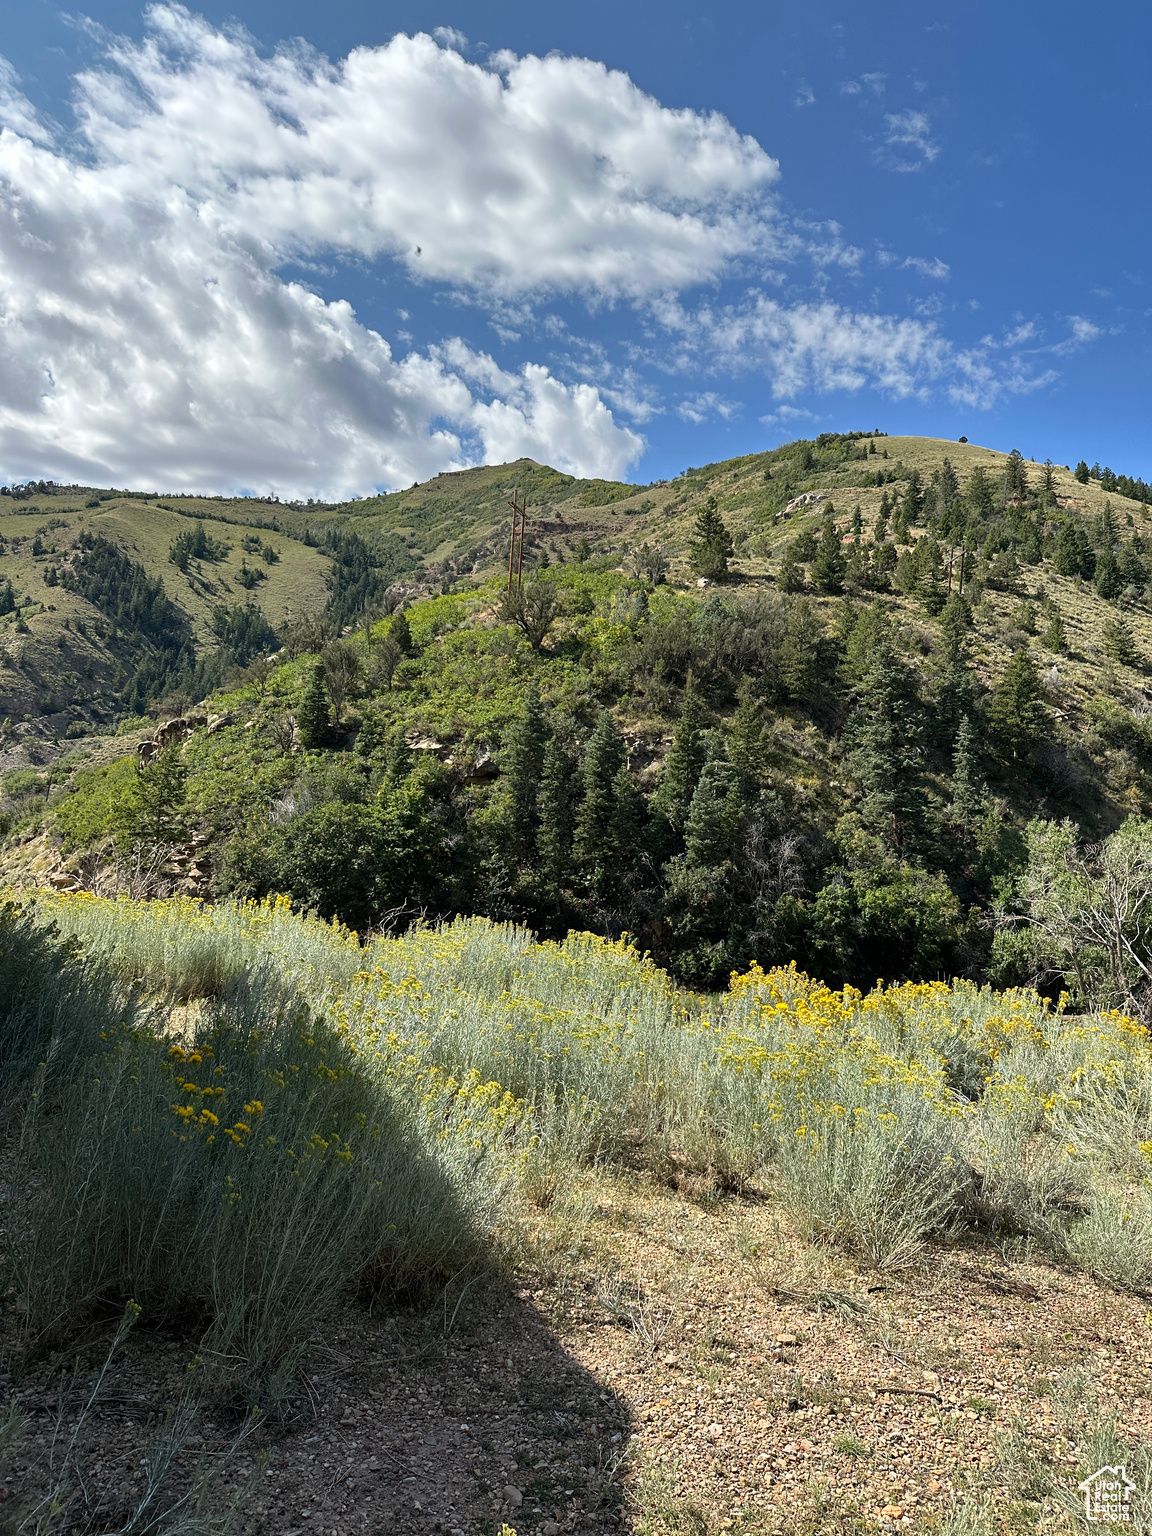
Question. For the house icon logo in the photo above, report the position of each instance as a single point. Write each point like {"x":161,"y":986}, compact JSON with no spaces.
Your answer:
{"x":1108,"y":1495}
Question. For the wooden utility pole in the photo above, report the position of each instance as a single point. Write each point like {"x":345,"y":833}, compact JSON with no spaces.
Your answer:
{"x":519,"y":505}
{"x":523,"y":526}
{"x":512,"y":541}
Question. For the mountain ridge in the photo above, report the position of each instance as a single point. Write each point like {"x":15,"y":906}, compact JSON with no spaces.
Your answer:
{"x":808,"y":705}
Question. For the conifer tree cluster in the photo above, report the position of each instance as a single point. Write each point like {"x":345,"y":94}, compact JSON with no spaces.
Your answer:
{"x":835,"y":766}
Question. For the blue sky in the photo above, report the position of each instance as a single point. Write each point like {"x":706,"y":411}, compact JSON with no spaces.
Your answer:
{"x":730,"y":227}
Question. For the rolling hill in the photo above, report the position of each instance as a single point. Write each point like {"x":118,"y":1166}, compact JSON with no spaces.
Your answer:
{"x":59,"y":668}
{"x":831,"y":754}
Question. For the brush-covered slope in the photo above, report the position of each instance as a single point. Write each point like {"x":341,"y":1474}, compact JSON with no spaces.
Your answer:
{"x":69,"y":652}
{"x":70,"y":649}
{"x":70,"y":645}
{"x":830,"y":754}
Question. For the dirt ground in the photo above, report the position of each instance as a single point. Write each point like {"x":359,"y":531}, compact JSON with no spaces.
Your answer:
{"x":662,"y":1361}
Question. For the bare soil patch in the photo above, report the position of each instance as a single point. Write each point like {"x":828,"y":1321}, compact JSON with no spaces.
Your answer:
{"x":661,"y":1362}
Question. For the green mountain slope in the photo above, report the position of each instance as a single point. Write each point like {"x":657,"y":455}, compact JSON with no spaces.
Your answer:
{"x":831,"y":755}
{"x":60,"y":657}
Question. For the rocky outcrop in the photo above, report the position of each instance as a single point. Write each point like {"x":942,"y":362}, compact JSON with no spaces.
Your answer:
{"x":178,"y":729}
{"x":804,"y":502}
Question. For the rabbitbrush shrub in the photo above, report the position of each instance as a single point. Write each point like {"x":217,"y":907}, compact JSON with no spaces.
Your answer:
{"x":237,"y":1177}
{"x":490,"y":1061}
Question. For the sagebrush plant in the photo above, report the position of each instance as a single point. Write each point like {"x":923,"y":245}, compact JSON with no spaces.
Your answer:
{"x":876,"y":1181}
{"x":240,"y":1175}
{"x":490,"y":1061}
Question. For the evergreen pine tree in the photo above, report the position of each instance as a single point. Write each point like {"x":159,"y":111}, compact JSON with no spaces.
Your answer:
{"x":313,"y":718}
{"x":912,"y":502}
{"x":1017,"y":706}
{"x":979,"y":495}
{"x":1082,"y":472}
{"x":747,"y":744}
{"x":1066,"y":553}
{"x":883,"y":733}
{"x":1031,"y":548}
{"x":790,"y":577}
{"x":685,"y":759}
{"x":627,"y":825}
{"x":1015,"y":476}
{"x":1054,"y":636}
{"x":592,"y":840}
{"x":554,"y":809}
{"x":398,"y":763}
{"x":154,"y":812}
{"x":883,"y":564}
{"x":1130,"y":562}
{"x":1107,"y":578}
{"x":806,"y":545}
{"x":880,"y":527}
{"x":711,"y":834}
{"x":1119,"y":641}
{"x":799,"y":660}
{"x":947,"y":486}
{"x":1109,"y":538}
{"x":400,"y":631}
{"x":955,"y":622}
{"x":969,"y":801}
{"x":524,"y":764}
{"x":857,"y":522}
{"x":861,"y":632}
{"x":713,"y":547}
{"x":829,"y":565}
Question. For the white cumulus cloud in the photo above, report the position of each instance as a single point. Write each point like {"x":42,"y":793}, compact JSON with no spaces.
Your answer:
{"x":530,"y":173}
{"x":532,"y":415}
{"x":148,"y":336}
{"x":150,"y":332}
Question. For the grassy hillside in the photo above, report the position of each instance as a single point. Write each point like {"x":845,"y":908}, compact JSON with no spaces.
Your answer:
{"x":57,"y":657}
{"x":830,"y":755}
{"x":452,"y":530}
{"x":58,"y":666}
